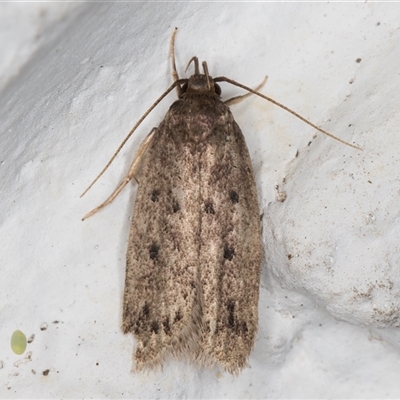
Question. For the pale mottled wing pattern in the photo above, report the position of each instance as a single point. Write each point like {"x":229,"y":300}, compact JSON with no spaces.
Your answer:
{"x":231,"y":249}
{"x":194,"y":254}
{"x":161,"y":300}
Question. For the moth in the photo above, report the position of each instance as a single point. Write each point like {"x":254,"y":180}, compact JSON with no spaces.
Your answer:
{"x":194,"y":251}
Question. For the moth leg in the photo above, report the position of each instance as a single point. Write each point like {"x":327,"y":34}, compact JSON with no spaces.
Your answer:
{"x":131,"y":173}
{"x":238,"y":99}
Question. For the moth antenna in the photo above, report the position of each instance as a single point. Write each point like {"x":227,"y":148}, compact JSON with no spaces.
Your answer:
{"x":195,"y":60}
{"x":205,"y":68}
{"x":232,"y":82}
{"x":172,"y":52}
{"x":175,"y":75}
{"x":178,"y":82}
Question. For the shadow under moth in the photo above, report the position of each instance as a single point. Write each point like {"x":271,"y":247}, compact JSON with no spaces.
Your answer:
{"x":195,"y":250}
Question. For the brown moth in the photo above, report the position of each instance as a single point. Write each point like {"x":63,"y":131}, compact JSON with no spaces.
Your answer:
{"x":194,"y":251}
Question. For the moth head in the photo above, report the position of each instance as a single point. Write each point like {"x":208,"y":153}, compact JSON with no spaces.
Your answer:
{"x":200,"y":83}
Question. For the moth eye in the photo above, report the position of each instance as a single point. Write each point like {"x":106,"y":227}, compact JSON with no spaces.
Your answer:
{"x":217,"y":89}
{"x":18,"y":342}
{"x":229,"y":252}
{"x":234,"y":196}
{"x":184,"y":88}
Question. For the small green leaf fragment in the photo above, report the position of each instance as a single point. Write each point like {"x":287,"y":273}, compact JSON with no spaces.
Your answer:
{"x":18,"y":342}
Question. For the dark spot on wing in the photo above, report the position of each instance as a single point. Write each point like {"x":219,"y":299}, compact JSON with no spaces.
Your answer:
{"x":178,"y":316}
{"x":166,"y":326}
{"x":209,"y":207}
{"x":145,"y":311}
{"x":154,"y":327}
{"x":231,"y":313}
{"x":229,"y":252}
{"x":153,"y":251}
{"x":175,"y":206}
{"x":234,"y":196}
{"x":154,"y":195}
